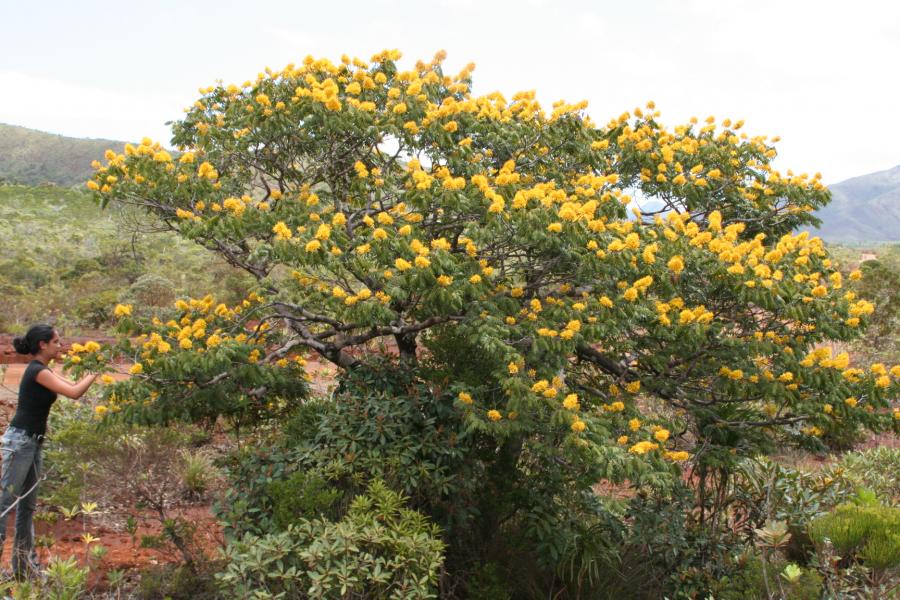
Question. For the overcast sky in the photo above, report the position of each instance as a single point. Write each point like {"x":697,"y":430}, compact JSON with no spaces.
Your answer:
{"x":822,"y":75}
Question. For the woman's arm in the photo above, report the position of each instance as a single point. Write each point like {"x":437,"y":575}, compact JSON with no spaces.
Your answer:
{"x":52,"y":382}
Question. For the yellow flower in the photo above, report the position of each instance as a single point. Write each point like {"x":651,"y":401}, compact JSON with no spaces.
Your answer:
{"x":465,"y":398}
{"x":851,"y":401}
{"x":136,"y":369}
{"x":494,"y":415}
{"x":554,"y":227}
{"x":444,"y":280}
{"x":513,"y":368}
{"x":282,"y":231}
{"x":828,"y":409}
{"x":421,"y":262}
{"x":634,"y":424}
{"x":679,"y":456}
{"x":313,"y":245}
{"x":622,"y":440}
{"x":186,"y":343}
{"x":578,"y":426}
{"x":676,"y":264}
{"x":855,"y":275}
{"x":402,"y":265}
{"x":475,"y":279}
{"x":661,"y":435}
{"x":571,"y":402}
{"x":634,"y":387}
{"x":107,"y":379}
{"x":643,"y":447}
{"x":883,"y":381}
{"x":323,"y":232}
{"x":100,"y":410}
{"x":122,"y":310}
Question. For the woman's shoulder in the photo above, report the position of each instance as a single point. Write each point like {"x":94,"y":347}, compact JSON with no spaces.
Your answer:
{"x":35,"y":367}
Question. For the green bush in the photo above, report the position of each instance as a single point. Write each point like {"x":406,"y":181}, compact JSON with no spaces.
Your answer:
{"x":63,"y":579}
{"x":246,"y":507}
{"x":752,"y":580}
{"x":302,"y":496}
{"x":176,"y":582}
{"x":869,"y":534}
{"x":379,"y":550}
{"x":876,"y":469}
{"x":198,"y":473}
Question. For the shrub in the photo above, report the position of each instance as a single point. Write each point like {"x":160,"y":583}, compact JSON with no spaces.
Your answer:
{"x":875,"y":469}
{"x":198,"y":473}
{"x":865,"y":533}
{"x":752,"y":580}
{"x":380,"y":549}
{"x":176,"y":582}
{"x":303,"y":496}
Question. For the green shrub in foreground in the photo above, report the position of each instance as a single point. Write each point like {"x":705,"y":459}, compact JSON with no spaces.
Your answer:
{"x":379,"y":550}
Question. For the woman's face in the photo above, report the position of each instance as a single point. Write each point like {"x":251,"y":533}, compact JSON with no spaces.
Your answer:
{"x":53,"y":347}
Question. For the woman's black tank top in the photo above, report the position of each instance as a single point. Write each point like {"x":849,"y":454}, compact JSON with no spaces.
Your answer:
{"x":34,"y":401}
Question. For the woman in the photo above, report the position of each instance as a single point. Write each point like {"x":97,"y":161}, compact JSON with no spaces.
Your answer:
{"x":21,"y":444}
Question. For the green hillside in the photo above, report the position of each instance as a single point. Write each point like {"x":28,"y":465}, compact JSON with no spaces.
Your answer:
{"x":67,"y":261}
{"x":33,"y":157}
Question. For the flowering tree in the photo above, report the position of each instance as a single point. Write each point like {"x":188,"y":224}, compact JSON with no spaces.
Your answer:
{"x":374,"y":204}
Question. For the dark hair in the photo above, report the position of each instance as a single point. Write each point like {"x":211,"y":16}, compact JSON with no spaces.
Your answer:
{"x":30,"y":343}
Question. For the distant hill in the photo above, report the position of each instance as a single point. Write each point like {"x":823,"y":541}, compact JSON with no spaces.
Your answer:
{"x":33,"y":157}
{"x":863,"y":209}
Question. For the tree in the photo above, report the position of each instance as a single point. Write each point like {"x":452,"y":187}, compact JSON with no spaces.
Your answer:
{"x":376,"y":205}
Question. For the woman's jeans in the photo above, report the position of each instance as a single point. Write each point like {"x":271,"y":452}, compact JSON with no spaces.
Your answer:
{"x":21,"y":472}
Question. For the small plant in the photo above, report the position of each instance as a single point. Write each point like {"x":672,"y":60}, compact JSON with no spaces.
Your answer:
{"x":198,"y":473}
{"x":131,"y":526}
{"x":116,"y":579}
{"x":63,"y":579}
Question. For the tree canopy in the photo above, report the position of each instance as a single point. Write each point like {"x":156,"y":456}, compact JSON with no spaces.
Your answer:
{"x":379,"y":205}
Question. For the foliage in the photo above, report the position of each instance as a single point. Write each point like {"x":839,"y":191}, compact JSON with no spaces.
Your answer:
{"x":198,"y":473}
{"x":867,"y":533}
{"x":379,"y":550}
{"x":63,"y":579}
{"x":175,"y":582}
{"x":751,"y":580}
{"x":304,"y":495}
{"x":765,"y":491}
{"x":875,"y":469}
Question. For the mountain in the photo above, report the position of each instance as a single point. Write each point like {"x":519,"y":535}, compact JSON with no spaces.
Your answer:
{"x":863,"y":209}
{"x":33,"y":157}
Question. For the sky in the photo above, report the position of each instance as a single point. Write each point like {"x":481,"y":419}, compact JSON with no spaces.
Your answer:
{"x":821,"y":75}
